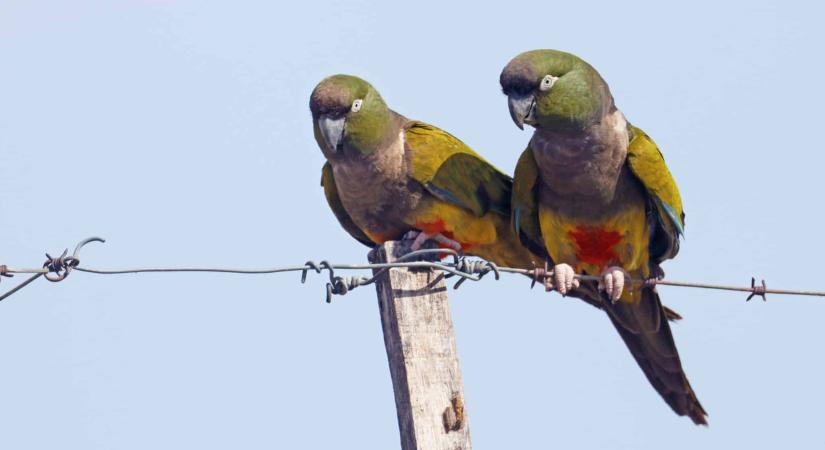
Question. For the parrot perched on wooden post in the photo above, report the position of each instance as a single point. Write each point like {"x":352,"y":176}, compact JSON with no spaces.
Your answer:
{"x":388,"y":177}
{"x":594,"y":192}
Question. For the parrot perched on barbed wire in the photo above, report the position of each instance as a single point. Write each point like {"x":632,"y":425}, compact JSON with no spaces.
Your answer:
{"x":388,"y":178}
{"x":594,"y":193}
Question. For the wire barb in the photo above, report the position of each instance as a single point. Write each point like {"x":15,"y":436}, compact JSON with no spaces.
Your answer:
{"x":58,"y":268}
{"x":342,"y":285}
{"x":758,"y":290}
{"x":4,"y":272}
{"x":309,"y":265}
{"x":539,"y":274}
{"x":478,"y":267}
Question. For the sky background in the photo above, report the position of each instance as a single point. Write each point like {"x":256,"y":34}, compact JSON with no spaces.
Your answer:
{"x":180,"y":131}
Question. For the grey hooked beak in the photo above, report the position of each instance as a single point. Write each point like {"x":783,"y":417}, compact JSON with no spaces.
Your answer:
{"x":332,"y":130}
{"x":521,"y":109}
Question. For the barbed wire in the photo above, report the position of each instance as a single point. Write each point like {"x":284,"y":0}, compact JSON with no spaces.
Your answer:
{"x":56,"y":269}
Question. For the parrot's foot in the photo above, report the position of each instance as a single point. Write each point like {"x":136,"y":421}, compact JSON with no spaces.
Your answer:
{"x":613,"y":281}
{"x":656,"y":274}
{"x":562,"y":280}
{"x":420,"y":237}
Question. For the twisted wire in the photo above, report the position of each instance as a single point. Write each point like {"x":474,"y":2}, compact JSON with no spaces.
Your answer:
{"x":56,"y":269}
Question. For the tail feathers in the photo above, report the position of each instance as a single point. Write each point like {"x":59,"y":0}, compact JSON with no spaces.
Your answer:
{"x":591,"y":295}
{"x":650,"y":341}
{"x":672,"y":316}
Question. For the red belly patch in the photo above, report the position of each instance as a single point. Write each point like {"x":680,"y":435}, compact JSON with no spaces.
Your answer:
{"x":596,"y":245}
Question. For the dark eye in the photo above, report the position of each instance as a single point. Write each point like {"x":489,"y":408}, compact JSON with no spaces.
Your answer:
{"x":356,"y":105}
{"x":547,"y":82}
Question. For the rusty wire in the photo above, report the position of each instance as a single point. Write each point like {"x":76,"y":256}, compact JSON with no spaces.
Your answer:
{"x":56,"y":269}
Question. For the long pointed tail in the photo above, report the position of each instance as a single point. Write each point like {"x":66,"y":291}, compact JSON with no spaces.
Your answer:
{"x":644,"y":328}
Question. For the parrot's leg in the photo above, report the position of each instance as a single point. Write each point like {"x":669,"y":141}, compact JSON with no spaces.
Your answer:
{"x":613,"y":281}
{"x":410,"y":235}
{"x":563,"y":279}
{"x":419,"y":240}
{"x":423,"y":237}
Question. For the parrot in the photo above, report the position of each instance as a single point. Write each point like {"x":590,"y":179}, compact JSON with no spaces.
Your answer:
{"x":593,"y":192}
{"x":388,"y":177}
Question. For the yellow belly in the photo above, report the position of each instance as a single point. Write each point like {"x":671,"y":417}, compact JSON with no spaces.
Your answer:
{"x":454,"y":222}
{"x":592,"y":245}
{"x":490,"y":236}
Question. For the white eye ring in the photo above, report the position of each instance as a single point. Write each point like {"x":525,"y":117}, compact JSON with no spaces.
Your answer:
{"x":547,"y":82}
{"x":356,"y":105}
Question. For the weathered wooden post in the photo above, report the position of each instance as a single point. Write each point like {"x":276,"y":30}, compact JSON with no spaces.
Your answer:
{"x":421,"y":349}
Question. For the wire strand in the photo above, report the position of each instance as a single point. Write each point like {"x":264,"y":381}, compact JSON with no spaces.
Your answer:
{"x":57,"y":269}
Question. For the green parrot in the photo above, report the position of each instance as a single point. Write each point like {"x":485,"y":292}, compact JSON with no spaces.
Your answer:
{"x":388,"y":177}
{"x":594,"y":193}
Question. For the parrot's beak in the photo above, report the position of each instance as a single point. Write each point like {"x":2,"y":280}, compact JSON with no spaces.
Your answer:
{"x":332,"y":130}
{"x":521,"y":109}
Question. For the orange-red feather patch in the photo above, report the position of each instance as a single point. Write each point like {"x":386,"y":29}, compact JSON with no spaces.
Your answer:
{"x":439,"y":227}
{"x":596,"y":245}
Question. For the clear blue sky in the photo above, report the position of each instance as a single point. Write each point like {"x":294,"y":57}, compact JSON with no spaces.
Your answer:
{"x":180,"y":131}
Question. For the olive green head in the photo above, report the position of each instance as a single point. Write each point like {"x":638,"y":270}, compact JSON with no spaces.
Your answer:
{"x":349,"y":114}
{"x":553,"y":89}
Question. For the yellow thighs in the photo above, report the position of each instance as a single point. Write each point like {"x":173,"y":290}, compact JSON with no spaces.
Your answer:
{"x":592,"y":245}
{"x":489,"y":236}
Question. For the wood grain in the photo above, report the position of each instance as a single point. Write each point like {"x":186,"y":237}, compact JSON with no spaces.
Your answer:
{"x":421,"y":349}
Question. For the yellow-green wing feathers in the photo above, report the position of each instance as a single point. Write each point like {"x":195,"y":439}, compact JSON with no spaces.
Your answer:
{"x":525,"y":212}
{"x":331,"y":192}
{"x":647,"y":163}
{"x":453,"y":172}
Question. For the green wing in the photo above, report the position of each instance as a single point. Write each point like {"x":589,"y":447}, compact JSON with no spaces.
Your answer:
{"x":525,"y":216}
{"x":453,"y":172}
{"x":328,"y":182}
{"x":646,"y":162}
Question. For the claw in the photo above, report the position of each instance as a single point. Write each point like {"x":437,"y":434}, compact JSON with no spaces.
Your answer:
{"x":613,"y":282}
{"x":441,"y":239}
{"x":419,"y":240}
{"x":656,"y":275}
{"x":563,"y":279}
{"x":410,"y":235}
{"x":421,"y":237}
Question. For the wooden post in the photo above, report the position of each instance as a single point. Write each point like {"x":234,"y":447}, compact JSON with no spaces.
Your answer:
{"x":421,"y":349}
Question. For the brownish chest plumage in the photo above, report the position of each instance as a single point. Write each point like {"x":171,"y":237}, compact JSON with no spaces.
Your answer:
{"x":376,"y":190}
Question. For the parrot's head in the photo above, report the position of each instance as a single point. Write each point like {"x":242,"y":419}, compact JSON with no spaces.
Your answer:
{"x":349,"y":114}
{"x":552,"y":89}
